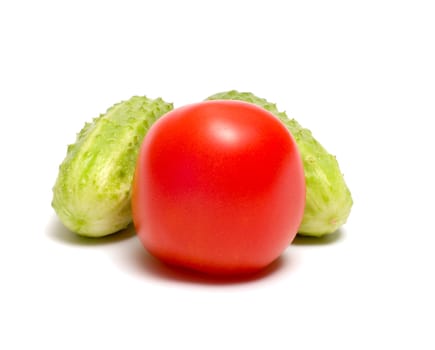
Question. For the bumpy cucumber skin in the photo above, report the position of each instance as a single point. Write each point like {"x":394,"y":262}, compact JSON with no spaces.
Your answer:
{"x":328,"y":199}
{"x":92,"y":192}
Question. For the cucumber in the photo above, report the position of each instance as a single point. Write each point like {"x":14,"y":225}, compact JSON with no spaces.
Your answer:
{"x":92,"y":192}
{"x":328,"y":198}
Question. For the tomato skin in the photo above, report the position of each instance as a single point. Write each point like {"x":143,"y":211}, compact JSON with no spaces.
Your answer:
{"x":219,"y":188}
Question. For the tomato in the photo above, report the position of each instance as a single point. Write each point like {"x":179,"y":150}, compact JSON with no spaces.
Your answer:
{"x":219,"y":188}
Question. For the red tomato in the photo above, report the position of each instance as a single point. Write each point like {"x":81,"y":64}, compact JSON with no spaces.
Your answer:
{"x":219,"y":187}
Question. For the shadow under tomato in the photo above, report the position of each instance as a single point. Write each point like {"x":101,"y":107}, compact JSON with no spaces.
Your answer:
{"x":58,"y":232}
{"x":132,"y":257}
{"x":149,"y":265}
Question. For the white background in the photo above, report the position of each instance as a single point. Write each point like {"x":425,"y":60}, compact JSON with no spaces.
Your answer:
{"x":359,"y":74}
